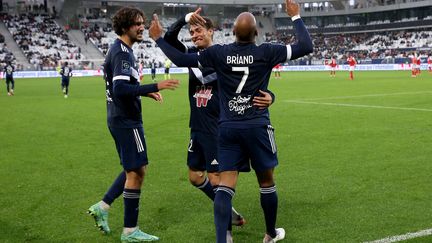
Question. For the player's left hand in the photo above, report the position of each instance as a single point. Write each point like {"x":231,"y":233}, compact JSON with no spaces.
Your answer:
{"x":155,"y":30}
{"x":263,"y":101}
{"x":156,"y":96}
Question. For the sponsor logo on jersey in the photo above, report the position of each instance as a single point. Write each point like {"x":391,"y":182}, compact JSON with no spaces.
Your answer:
{"x":202,"y":95}
{"x":239,"y":104}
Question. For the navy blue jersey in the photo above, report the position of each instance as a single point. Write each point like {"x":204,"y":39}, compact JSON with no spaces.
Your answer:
{"x":9,"y":69}
{"x":66,"y":72}
{"x":242,"y":70}
{"x":153,"y":67}
{"x":203,"y":91}
{"x":203,"y":99}
{"x":123,"y":111}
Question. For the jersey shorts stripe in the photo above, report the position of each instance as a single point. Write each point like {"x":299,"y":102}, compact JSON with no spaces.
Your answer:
{"x":240,"y":148}
{"x":131,"y":147}
{"x":270,"y":131}
{"x":138,"y":141}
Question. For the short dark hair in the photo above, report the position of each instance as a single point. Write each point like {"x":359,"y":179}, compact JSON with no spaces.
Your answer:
{"x":124,"y":18}
{"x":208,"y":24}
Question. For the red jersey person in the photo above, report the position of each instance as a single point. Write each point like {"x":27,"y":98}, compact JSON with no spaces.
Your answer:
{"x":414,"y":66}
{"x":333,"y":66}
{"x":418,"y":65}
{"x":277,"y":70}
{"x":429,"y":62}
{"x":352,"y":63}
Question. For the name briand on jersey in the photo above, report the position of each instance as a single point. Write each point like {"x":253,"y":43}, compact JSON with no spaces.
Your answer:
{"x":243,"y":70}
{"x":120,"y":66}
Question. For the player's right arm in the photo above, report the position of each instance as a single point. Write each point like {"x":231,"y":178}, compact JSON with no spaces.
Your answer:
{"x":171,"y":36}
{"x":178,"y":58}
{"x":121,"y":79}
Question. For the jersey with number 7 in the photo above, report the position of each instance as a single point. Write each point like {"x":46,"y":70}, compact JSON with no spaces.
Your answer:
{"x":243,"y":70}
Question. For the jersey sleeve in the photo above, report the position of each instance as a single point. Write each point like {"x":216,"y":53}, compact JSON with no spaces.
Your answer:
{"x":122,"y":64}
{"x":206,"y":57}
{"x":278,"y":54}
{"x":171,"y":36}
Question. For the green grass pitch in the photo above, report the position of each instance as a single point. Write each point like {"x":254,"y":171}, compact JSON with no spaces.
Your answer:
{"x":355,"y":162}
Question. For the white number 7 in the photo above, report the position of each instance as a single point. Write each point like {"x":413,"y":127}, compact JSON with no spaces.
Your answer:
{"x":245,"y":71}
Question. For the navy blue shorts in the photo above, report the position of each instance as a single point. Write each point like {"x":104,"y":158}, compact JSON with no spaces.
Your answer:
{"x":202,"y":152}
{"x":65,"y":82}
{"x":240,"y":148}
{"x":131,"y":147}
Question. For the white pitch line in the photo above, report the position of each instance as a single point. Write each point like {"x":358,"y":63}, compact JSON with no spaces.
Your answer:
{"x":366,"y":95}
{"x":406,"y":236}
{"x":355,"y":105}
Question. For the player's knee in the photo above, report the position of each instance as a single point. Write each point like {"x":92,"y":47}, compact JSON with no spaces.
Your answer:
{"x":214,"y":178}
{"x":265,"y":178}
{"x":196,"y":178}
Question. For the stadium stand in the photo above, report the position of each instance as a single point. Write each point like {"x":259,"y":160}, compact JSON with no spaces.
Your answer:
{"x":43,"y":41}
{"x":102,"y":37}
{"x":371,"y":36}
{"x":5,"y":54}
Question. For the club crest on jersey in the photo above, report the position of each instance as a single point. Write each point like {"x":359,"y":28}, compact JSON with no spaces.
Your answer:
{"x":202,"y":95}
{"x":239,"y":104}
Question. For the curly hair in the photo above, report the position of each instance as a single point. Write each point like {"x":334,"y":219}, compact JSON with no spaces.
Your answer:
{"x":124,"y":18}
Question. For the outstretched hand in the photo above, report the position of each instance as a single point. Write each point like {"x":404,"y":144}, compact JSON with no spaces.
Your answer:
{"x":263,"y":101}
{"x":171,"y":84}
{"x":156,"y":96}
{"x":292,"y":8}
{"x":196,"y":19}
{"x":155,"y":30}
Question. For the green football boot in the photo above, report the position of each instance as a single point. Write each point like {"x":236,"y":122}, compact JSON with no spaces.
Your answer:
{"x":138,"y":236}
{"x":101,"y":218}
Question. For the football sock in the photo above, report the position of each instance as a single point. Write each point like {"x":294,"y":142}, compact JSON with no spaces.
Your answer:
{"x":104,"y":205}
{"x":116,"y":189}
{"x":222,"y":211}
{"x":131,"y":207}
{"x":269,"y":204}
{"x":207,"y":188}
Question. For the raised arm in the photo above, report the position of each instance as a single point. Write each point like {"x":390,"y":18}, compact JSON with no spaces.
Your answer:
{"x":304,"y":45}
{"x":171,"y":36}
{"x":178,"y":58}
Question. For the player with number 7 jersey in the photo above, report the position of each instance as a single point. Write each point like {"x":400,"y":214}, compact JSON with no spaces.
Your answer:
{"x":243,"y":68}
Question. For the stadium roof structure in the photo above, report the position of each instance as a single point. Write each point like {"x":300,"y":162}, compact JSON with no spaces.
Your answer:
{"x":220,"y":2}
